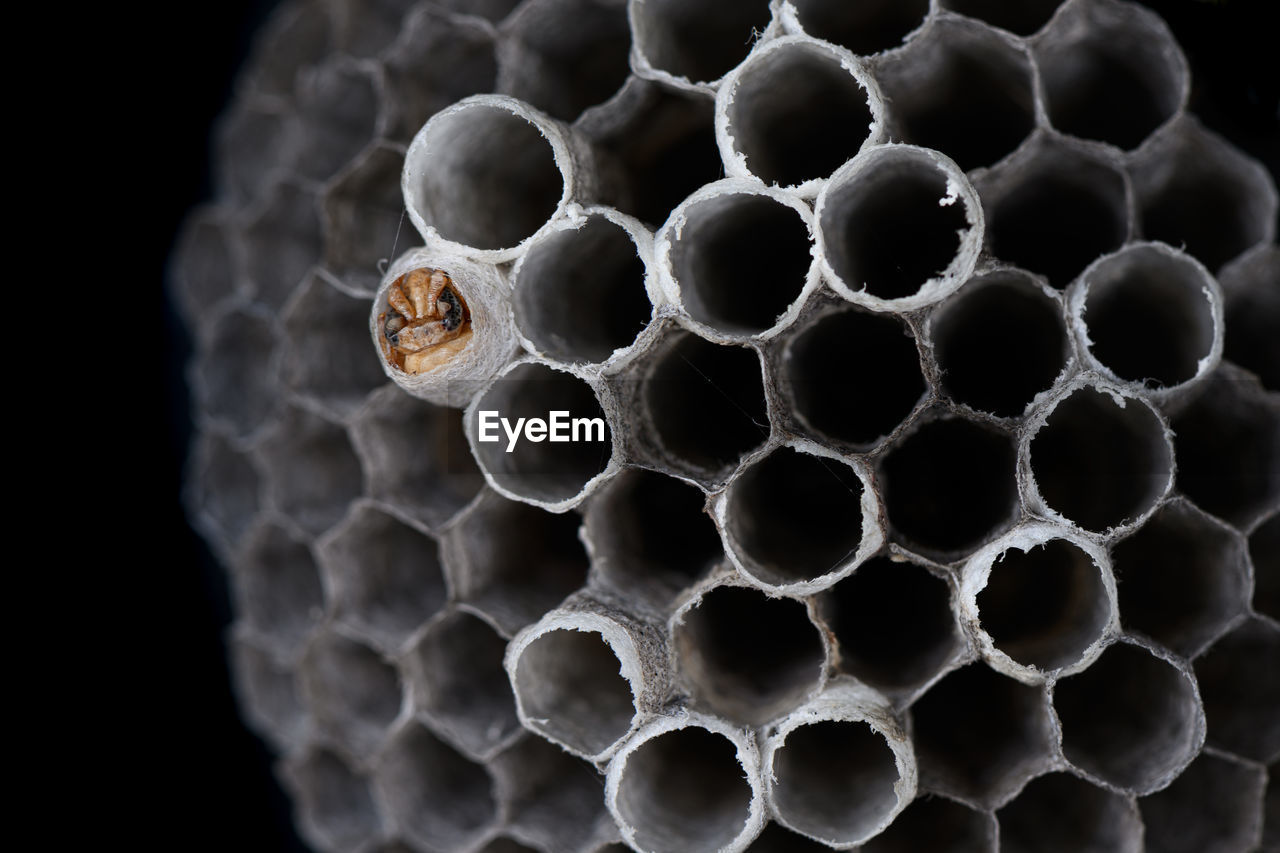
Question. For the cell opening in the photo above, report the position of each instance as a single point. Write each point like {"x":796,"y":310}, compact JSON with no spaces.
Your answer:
{"x":1240,"y":685}
{"x":833,"y":391}
{"x":1253,"y":314}
{"x":1022,"y":18}
{"x":1099,"y":464}
{"x":935,"y":824}
{"x":725,"y":280}
{"x":553,"y":800}
{"x":1000,"y":324}
{"x":237,"y":380}
{"x":700,"y":41}
{"x":334,"y":799}
{"x":202,"y":268}
{"x":1215,"y":804}
{"x":1264,"y":550}
{"x":327,"y":354}
{"x":227,"y":487}
{"x":439,"y":797}
{"x":893,"y":623}
{"x":795,"y":517}
{"x":1061,"y":812}
{"x":282,"y":243}
{"x":338,"y":105}
{"x":776,"y":838}
{"x":1131,"y":718}
{"x":254,"y":141}
{"x":580,"y":292}
{"x":312,"y":472}
{"x":950,"y":485}
{"x":354,"y":693}
{"x":864,"y":28}
{"x":268,"y":694}
{"x":363,"y":214}
{"x":278,"y":585}
{"x":739,"y":671}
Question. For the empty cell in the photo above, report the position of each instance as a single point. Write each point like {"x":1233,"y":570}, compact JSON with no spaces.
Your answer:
{"x":552,"y":800}
{"x":1240,"y":683}
{"x":203,"y":271}
{"x":795,"y":111}
{"x":864,"y":28}
{"x":365,"y":28}
{"x":281,"y":242}
{"x":541,"y":466}
{"x":1228,"y":448}
{"x":235,"y":376}
{"x":254,"y":143}
{"x":706,"y":404}
{"x":1196,"y":190}
{"x":364,"y":220}
{"x":512,"y":561}
{"x":796,"y":517}
{"x":936,"y":824}
{"x":893,"y":623}
{"x":950,"y":485}
{"x":1131,"y":719}
{"x":1253,"y":314}
{"x":267,"y":693}
{"x":1184,"y":577}
{"x":739,"y":671}
{"x":1000,"y":325}
{"x":313,"y":475}
{"x":1215,"y":806}
{"x":580,"y":293}
{"x":957,"y":76}
{"x":853,"y":375}
{"x":352,"y":691}
{"x":225,"y":487}
{"x":1061,"y":812}
{"x":1111,"y":72}
{"x":697,"y":42}
{"x":334,"y":800}
{"x":651,"y":535}
{"x":776,"y":838}
{"x":979,"y":734}
{"x":384,"y":576}
{"x":563,"y":56}
{"x":327,"y":356}
{"x":1022,"y":18}
{"x":291,"y":40}
{"x":337,"y":103}
{"x":710,"y":250}
{"x":1052,"y":208}
{"x":278,"y":588}
{"x":437,"y":797}
{"x":1264,"y":551}
{"x":1100,"y":459}
{"x":458,"y":680}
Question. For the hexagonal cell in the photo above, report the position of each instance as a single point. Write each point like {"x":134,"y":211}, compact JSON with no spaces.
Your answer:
{"x":979,"y":734}
{"x":384,"y":576}
{"x":1253,"y":313}
{"x":776,"y":838}
{"x":1111,"y":71}
{"x":1100,"y":459}
{"x":864,"y":28}
{"x":553,"y":800}
{"x":282,"y":242}
{"x":437,"y":797}
{"x":235,"y":376}
{"x":798,"y":519}
{"x":365,"y":27}
{"x":563,"y":56}
{"x":327,"y":354}
{"x":833,"y":396}
{"x":735,"y":669}
{"x":295,"y":38}
{"x":458,"y":680}
{"x":1022,"y":18}
{"x":893,"y":623}
{"x":1183,"y":578}
{"x":277,"y":586}
{"x":1228,"y":448}
{"x":267,"y":694}
{"x":958,"y":75}
{"x":977,"y":332}
{"x":1061,"y":812}
{"x":1132,"y":719}
{"x":651,"y":536}
{"x":337,"y":103}
{"x":353,"y":692}
{"x":202,"y":269}
{"x":364,"y":221}
{"x":1047,"y":189}
{"x":936,"y":824}
{"x":696,"y":42}
{"x":1240,"y":684}
{"x":949,"y":485}
{"x":224,"y":487}
{"x":334,"y":802}
{"x":312,"y":473}
{"x":1264,"y":550}
{"x":512,"y":561}
{"x":254,"y":145}
{"x":1215,"y":805}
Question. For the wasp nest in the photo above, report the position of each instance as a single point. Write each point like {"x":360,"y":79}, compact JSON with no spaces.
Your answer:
{"x":934,"y":504}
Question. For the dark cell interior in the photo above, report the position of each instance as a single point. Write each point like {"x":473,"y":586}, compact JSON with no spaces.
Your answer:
{"x":863,"y":28}
{"x":699,"y":40}
{"x":1062,"y":812}
{"x":1021,"y":18}
{"x":1094,"y":91}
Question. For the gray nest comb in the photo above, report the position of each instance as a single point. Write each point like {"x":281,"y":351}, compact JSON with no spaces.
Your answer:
{"x":933,"y":514}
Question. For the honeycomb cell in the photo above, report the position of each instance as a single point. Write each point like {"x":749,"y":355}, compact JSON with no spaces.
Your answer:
{"x":268,"y":694}
{"x":225,"y":488}
{"x":364,"y":220}
{"x":1215,"y":805}
{"x":337,"y":104}
{"x":1023,"y":18}
{"x":1240,"y":684}
{"x":833,"y":394}
{"x":949,"y":485}
{"x":1003,"y":324}
{"x":1111,"y":71}
{"x":1184,"y":578}
{"x":203,"y":269}
{"x":979,"y":735}
{"x":255,"y":144}
{"x":936,"y":824}
{"x":1253,"y":313}
{"x":438,"y":798}
{"x":326,"y":355}
{"x":513,"y":562}
{"x":383,"y":575}
{"x":1061,"y":812}
{"x":295,"y":38}
{"x":1099,"y":458}
{"x":778,"y":839}
{"x":956,"y":76}
{"x":235,"y":376}
{"x":334,"y":802}
{"x":1132,"y":719}
{"x":864,"y":28}
{"x":693,"y":43}
{"x":1264,"y":551}
{"x":279,"y":597}
{"x":282,"y":240}
{"x":800,"y":518}
{"x":352,"y":691}
{"x":1047,"y":189}
{"x":735,"y":669}
{"x":364,"y":28}
{"x":312,"y":473}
